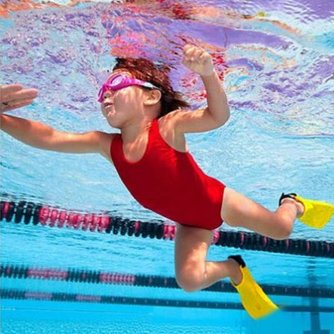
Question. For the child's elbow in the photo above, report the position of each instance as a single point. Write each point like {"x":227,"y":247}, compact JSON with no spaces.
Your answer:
{"x":225,"y":116}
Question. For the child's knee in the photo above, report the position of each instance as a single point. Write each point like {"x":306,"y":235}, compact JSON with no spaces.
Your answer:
{"x":283,"y":229}
{"x":189,"y":281}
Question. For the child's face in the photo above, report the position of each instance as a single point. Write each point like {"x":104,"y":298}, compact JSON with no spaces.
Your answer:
{"x":119,"y":106}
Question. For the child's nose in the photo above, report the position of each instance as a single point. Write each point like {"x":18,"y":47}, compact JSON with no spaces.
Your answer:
{"x":108,"y":94}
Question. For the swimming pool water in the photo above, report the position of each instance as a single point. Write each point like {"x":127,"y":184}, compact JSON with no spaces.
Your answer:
{"x":277,"y":59}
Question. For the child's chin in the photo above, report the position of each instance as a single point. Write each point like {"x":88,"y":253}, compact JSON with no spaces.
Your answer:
{"x":114,"y":123}
{"x":110,"y":112}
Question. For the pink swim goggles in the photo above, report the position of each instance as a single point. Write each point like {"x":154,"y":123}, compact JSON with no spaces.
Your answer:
{"x":119,"y":81}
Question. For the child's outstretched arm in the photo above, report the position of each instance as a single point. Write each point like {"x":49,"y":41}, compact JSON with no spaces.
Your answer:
{"x":217,"y":112}
{"x":42,"y":136}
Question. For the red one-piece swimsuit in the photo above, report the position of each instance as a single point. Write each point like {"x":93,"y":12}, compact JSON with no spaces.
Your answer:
{"x":170,"y":182}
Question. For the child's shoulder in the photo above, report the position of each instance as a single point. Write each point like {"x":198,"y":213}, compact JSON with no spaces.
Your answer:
{"x":105,"y":140}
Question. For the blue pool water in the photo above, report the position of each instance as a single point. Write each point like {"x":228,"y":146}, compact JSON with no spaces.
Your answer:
{"x":279,"y":78}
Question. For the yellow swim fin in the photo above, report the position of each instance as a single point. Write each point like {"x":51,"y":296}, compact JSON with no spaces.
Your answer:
{"x":253,"y":298}
{"x":316,"y":214}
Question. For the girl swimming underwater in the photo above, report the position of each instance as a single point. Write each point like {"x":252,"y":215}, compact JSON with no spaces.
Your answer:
{"x":151,"y":157}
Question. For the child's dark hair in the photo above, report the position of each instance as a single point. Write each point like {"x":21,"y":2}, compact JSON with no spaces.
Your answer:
{"x":158,"y":75}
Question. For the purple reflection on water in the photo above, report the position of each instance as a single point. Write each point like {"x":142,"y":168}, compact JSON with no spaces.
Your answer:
{"x":85,"y":40}
{"x":317,"y":9}
{"x":244,"y":62}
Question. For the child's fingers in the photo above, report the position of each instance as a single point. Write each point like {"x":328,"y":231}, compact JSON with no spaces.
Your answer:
{"x":15,"y":96}
{"x":23,"y":94}
{"x":191,"y":56}
{"x":14,"y":105}
{"x":204,"y":56}
{"x":194,"y":53}
{"x":189,"y":50}
{"x":9,"y":89}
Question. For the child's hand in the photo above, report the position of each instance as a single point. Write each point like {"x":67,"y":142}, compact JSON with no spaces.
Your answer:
{"x":197,"y":60}
{"x":15,"y":96}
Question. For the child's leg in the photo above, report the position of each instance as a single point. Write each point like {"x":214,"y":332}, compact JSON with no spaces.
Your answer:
{"x":240,"y":211}
{"x":193,"y":272}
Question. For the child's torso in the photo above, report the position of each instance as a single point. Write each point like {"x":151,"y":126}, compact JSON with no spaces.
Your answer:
{"x":168,"y":181}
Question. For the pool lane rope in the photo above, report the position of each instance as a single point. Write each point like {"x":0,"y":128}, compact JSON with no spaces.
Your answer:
{"x":12,"y":271}
{"x":81,"y":298}
{"x":37,"y":214}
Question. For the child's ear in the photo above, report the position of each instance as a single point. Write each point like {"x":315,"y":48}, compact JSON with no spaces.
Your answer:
{"x":153,"y":97}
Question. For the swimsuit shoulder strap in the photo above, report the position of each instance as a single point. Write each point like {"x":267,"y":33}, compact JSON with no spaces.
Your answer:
{"x":116,"y":147}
